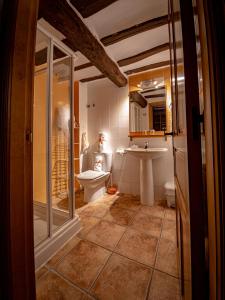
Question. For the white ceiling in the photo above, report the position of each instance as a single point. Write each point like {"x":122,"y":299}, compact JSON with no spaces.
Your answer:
{"x":126,"y":13}
{"x":120,"y":15}
{"x":139,"y":43}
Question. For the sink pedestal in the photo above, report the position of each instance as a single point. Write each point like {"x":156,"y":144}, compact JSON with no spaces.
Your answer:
{"x":146,"y":182}
{"x":146,"y":176}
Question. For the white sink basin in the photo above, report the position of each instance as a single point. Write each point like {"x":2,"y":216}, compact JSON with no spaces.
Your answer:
{"x":146,"y":174}
{"x":149,"y":153}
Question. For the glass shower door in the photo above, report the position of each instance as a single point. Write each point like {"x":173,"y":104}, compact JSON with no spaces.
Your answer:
{"x":61,"y":138}
{"x":52,"y":138}
{"x":40,"y":128}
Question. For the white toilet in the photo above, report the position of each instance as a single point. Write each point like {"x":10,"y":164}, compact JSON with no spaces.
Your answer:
{"x":94,"y":180}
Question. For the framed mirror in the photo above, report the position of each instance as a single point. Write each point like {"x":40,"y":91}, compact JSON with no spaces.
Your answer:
{"x":150,"y":104}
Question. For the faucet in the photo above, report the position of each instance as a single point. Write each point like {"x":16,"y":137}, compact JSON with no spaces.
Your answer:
{"x":146,"y":145}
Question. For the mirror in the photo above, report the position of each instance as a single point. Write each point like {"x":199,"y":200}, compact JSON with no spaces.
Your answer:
{"x":149,"y":104}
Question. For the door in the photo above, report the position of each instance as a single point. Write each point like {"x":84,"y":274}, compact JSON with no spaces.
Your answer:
{"x":52,"y":139}
{"x":187,"y":151}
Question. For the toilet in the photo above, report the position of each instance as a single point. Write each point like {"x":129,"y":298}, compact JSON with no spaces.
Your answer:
{"x":94,"y":180}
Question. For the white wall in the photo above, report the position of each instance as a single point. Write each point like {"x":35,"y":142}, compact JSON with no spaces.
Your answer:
{"x":110,"y":113}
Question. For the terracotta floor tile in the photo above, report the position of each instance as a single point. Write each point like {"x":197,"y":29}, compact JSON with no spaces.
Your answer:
{"x":87,"y":223}
{"x":120,"y":216}
{"x":53,"y":287}
{"x":166,"y":259}
{"x":63,"y":251}
{"x":164,"y":287}
{"x":128,"y":202}
{"x":138,"y":246}
{"x":169,"y":230}
{"x":108,"y":199}
{"x":40,"y":272}
{"x":149,"y":224}
{"x":94,"y":210}
{"x":122,"y":279}
{"x":83,"y":263}
{"x":106,"y":234}
{"x":170,"y":214}
{"x":155,"y":211}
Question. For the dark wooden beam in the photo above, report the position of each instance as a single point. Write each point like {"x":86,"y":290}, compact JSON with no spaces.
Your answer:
{"x":148,"y":67}
{"x":62,"y":17}
{"x":133,"y":71}
{"x":153,"y":90}
{"x":138,"y":98}
{"x":83,"y":66}
{"x":92,"y":78}
{"x":140,"y":56}
{"x":89,"y":7}
{"x":134,"y":58}
{"x":155,"y":96}
{"x":136,"y":29}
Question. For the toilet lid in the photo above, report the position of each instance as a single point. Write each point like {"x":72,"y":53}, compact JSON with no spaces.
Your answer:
{"x":90,"y":174}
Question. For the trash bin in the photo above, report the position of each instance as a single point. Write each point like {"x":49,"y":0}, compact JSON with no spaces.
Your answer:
{"x":170,"y":194}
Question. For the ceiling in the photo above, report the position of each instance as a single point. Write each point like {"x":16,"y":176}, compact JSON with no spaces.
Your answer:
{"x":108,"y":17}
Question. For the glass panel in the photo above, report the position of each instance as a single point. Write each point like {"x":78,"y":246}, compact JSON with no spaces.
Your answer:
{"x":60,"y":140}
{"x":40,"y":139}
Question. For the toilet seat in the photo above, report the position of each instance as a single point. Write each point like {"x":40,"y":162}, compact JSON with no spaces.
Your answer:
{"x":91,"y":175}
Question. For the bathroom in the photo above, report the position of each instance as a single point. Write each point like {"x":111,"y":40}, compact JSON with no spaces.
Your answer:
{"x":112,"y":150}
{"x":106,"y":189}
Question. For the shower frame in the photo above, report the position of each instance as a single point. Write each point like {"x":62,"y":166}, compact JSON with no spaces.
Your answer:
{"x":55,"y":239}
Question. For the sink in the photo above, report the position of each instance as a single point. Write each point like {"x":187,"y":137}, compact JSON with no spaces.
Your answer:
{"x":150,"y":153}
{"x":146,"y":175}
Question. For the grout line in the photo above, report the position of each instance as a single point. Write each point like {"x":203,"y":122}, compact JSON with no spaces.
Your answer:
{"x":157,"y":248}
{"x":86,"y":291}
{"x":63,"y":255}
{"x":93,"y":284}
{"x":155,"y":269}
{"x":127,"y":227}
{"x":99,"y":273}
{"x":46,"y":271}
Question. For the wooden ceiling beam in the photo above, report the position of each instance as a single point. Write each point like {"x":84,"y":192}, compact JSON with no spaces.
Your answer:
{"x":89,"y":7}
{"x":92,"y":78}
{"x":145,"y":54}
{"x":136,"y":29}
{"x":133,"y":71}
{"x":148,"y":67}
{"x":132,"y":59}
{"x":83,"y":66}
{"x":153,"y":90}
{"x":155,"y":96}
{"x":62,"y":17}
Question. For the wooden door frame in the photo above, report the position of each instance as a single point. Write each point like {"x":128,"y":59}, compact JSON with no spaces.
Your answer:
{"x":17,"y":32}
{"x":212,"y":27}
{"x":18,"y":19}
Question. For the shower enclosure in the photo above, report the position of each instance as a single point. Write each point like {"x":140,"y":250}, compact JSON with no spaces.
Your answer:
{"x":53,"y":118}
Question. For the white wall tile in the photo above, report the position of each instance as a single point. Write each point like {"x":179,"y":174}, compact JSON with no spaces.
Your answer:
{"x":111,"y":114}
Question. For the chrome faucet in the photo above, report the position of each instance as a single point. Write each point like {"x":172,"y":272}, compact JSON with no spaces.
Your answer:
{"x":146,"y":145}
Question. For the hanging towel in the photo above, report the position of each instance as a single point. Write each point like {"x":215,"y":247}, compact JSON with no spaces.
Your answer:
{"x":84,"y":143}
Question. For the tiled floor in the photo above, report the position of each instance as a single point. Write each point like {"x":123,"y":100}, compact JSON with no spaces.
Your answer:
{"x":124,"y":251}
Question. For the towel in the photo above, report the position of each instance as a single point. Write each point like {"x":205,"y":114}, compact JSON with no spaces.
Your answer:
{"x":84,"y":143}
